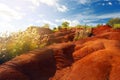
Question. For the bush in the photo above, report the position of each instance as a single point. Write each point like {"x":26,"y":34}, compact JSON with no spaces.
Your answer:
{"x":20,"y":42}
{"x":65,"y":24}
{"x":82,"y":33}
{"x":113,"y":21}
{"x":116,"y":26}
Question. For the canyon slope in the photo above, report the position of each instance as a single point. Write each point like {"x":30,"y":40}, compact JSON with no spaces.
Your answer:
{"x":93,"y":58}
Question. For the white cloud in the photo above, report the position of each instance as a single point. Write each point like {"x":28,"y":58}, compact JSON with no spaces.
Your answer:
{"x":7,"y":27}
{"x":110,"y":15}
{"x":102,"y":16}
{"x":52,"y":3}
{"x":109,"y":3}
{"x":118,"y":1}
{"x":89,"y":20}
{"x":42,"y":22}
{"x":41,"y":15}
{"x":106,"y":0}
{"x":72,"y":22}
{"x":86,"y":1}
{"x":18,"y":8}
{"x":62,"y":8}
{"x":93,"y":19}
{"x":32,"y":8}
{"x":83,"y":1}
{"x":47,"y":2}
{"x":49,"y":22}
{"x":6,"y":13}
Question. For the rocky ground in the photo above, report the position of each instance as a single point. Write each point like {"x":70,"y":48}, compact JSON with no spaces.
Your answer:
{"x":93,"y":58}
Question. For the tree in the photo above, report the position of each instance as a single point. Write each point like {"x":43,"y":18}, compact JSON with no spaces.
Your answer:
{"x":65,"y":24}
{"x":113,"y":21}
{"x":54,"y":29}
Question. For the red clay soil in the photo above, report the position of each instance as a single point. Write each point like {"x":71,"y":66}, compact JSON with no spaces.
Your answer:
{"x":103,"y":29}
{"x":94,"y":63}
{"x":93,"y":58}
{"x":59,"y":37}
{"x":40,"y":64}
{"x":107,"y":35}
{"x":63,"y":54}
{"x":97,"y":64}
{"x":36,"y":65}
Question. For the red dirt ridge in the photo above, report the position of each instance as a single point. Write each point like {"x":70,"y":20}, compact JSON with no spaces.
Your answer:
{"x":92,"y":58}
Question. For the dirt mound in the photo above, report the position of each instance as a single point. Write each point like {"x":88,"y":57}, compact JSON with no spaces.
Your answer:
{"x":95,"y":60}
{"x":40,"y":64}
{"x":40,"y":30}
{"x":101,"y":29}
{"x":98,"y":65}
{"x":36,"y":65}
{"x":92,"y":58}
{"x":59,"y":37}
{"x":87,"y":48}
{"x":107,"y":35}
{"x":63,"y":54}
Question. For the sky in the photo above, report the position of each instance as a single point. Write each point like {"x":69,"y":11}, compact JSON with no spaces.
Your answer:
{"x":19,"y":14}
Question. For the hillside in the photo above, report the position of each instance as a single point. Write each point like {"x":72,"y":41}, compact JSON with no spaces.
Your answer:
{"x":96,"y":57}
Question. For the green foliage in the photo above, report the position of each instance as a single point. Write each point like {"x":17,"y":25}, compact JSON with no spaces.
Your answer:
{"x":55,"y":29}
{"x":82,"y":33}
{"x":21,"y":42}
{"x":113,"y":21}
{"x":116,"y":26}
{"x":65,"y":24}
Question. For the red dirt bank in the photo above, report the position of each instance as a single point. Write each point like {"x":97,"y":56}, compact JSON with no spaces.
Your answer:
{"x":93,"y":58}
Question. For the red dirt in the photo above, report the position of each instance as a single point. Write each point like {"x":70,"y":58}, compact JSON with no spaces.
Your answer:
{"x":59,"y":37}
{"x":63,"y":54}
{"x":36,"y":65}
{"x":92,"y":58}
{"x":101,"y":29}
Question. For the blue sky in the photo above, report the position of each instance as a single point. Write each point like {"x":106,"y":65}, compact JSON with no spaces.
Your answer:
{"x":19,"y":14}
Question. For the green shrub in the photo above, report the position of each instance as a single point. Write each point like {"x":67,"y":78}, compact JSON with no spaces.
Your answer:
{"x":113,"y":21}
{"x":116,"y":26}
{"x":82,"y":33}
{"x":20,"y":42}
